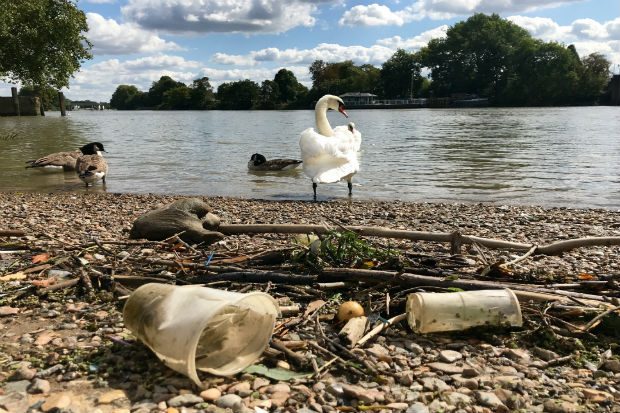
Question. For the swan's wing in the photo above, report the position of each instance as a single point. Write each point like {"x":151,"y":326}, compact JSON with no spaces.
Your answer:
{"x":343,"y":131}
{"x":314,"y":144}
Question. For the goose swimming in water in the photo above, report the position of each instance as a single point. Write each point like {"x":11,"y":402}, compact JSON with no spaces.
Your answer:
{"x":259,"y":163}
{"x":92,"y":167}
{"x":330,"y":155}
{"x":63,"y":160}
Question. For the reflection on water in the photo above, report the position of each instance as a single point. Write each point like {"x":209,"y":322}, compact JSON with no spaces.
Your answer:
{"x":548,"y":156}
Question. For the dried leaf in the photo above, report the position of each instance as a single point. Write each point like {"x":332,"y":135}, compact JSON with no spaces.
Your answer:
{"x":584,"y":276}
{"x":43,"y":283}
{"x":40,"y":258}
{"x":19,"y":275}
{"x":312,"y":306}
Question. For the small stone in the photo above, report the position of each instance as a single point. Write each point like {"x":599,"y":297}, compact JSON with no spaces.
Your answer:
{"x":111,"y":396}
{"x":283,"y":365}
{"x":446,"y":368}
{"x":6,"y":311}
{"x":23,"y":373}
{"x":184,"y":400}
{"x":596,"y":396}
{"x":278,"y":388}
{"x":415,"y":348}
{"x":455,"y":398}
{"x":39,"y":386}
{"x":229,"y":401}
{"x":545,"y":354}
{"x":397,"y":406}
{"x":243,"y":386}
{"x":450,"y":356}
{"x":491,"y":400}
{"x":14,"y":402}
{"x":260,"y":382}
{"x":211,"y":395}
{"x":172,"y":410}
{"x":17,"y":386}
{"x":612,"y":365}
{"x":278,"y":398}
{"x":435,"y":384}
{"x":517,"y":354}
{"x":56,"y":401}
{"x":559,"y":406}
{"x":417,"y":407}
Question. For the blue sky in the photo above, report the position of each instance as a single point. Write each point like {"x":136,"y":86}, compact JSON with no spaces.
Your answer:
{"x":137,"y":41}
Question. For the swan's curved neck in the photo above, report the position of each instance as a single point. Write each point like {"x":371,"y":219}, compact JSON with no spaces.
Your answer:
{"x":320,"y":115}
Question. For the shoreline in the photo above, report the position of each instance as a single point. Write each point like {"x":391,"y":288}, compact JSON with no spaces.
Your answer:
{"x":69,"y":349}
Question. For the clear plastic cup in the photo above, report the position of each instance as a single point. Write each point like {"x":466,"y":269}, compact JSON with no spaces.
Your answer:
{"x":433,"y":312}
{"x":193,"y":327}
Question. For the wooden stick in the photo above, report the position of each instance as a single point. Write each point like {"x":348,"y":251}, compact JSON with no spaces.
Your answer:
{"x":380,"y":328}
{"x":353,"y":330}
{"x":450,"y":237}
{"x":11,"y":233}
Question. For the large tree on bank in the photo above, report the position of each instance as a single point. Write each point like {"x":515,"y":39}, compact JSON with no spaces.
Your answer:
{"x":42,"y":42}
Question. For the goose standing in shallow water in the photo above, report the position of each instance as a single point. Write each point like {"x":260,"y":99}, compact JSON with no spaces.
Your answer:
{"x":91,"y":166}
{"x":330,"y":155}
{"x":62,"y":160}
{"x":259,"y":163}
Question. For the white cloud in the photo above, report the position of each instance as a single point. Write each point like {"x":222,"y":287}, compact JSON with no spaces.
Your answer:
{"x":101,"y":1}
{"x":372,"y":15}
{"x":382,"y":15}
{"x":588,"y":36}
{"x":98,"y":81}
{"x":222,"y":16}
{"x":328,"y":52}
{"x":111,"y":38}
{"x":416,"y":42}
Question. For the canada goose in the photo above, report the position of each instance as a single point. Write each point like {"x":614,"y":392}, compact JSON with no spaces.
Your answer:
{"x":330,"y":155}
{"x":92,"y":167}
{"x":259,"y":163}
{"x":63,"y":160}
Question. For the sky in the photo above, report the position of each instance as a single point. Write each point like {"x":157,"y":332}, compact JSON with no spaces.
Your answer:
{"x":135,"y":42}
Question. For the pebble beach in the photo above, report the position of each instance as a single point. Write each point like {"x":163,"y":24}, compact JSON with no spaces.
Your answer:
{"x":70,"y":352}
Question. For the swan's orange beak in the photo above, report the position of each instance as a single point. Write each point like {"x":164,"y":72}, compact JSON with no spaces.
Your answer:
{"x":341,"y":110}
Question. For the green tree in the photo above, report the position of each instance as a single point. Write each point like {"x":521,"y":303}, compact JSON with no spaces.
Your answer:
{"x":155,"y":95}
{"x":476,"y":56}
{"x":127,"y":97}
{"x":201,"y":94}
{"x":177,"y":98}
{"x":400,"y":75}
{"x":269,"y":95}
{"x":290,"y":89}
{"x":342,"y":77}
{"x":242,"y":94}
{"x":594,"y":77}
{"x":42,"y":42}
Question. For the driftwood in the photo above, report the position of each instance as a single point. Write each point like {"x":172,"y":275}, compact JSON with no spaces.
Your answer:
{"x":353,"y":330}
{"x":524,"y":291}
{"x":11,"y":233}
{"x":454,"y":238}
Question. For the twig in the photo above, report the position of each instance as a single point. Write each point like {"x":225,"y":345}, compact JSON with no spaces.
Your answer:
{"x":11,"y":233}
{"x":592,"y":323}
{"x":519,"y":259}
{"x":380,"y":328}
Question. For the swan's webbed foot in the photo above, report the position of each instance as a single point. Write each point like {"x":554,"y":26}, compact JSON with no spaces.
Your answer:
{"x":350,"y":185}
{"x":314,"y":189}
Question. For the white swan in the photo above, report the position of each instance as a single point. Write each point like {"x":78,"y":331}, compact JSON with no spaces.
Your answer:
{"x":330,"y":155}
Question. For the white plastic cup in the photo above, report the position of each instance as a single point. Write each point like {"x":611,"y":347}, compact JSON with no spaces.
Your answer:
{"x":193,"y":327}
{"x":433,"y":312}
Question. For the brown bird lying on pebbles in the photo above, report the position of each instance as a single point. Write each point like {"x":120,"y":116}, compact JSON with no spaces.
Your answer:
{"x":259,"y":163}
{"x":62,"y":160}
{"x":92,"y":167}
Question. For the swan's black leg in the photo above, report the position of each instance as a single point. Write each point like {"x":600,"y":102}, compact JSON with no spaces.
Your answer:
{"x":350,"y":185}
{"x":314,"y":189}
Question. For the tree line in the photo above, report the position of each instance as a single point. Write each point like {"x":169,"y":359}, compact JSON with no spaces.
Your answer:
{"x":485,"y":55}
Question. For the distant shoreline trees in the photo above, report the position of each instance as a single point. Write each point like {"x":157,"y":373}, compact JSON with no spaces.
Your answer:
{"x":485,"y":55}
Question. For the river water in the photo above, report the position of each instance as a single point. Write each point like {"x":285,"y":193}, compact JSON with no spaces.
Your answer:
{"x":545,"y":156}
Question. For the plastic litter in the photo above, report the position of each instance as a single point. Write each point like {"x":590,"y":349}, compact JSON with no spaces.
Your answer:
{"x":433,"y":312}
{"x":193,"y":328}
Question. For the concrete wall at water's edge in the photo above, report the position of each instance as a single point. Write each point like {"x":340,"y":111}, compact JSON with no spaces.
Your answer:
{"x":29,"y":106}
